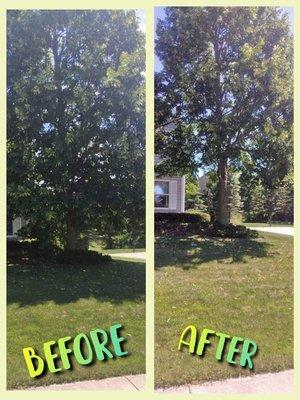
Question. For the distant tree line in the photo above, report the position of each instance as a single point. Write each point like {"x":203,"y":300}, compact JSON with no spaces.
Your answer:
{"x":250,"y":200}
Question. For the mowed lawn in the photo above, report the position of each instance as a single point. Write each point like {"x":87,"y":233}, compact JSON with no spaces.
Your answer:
{"x":239,"y":287}
{"x":49,"y":302}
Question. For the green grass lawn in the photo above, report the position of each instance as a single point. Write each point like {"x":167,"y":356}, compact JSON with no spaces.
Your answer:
{"x":241,"y":287}
{"x":48,"y":302}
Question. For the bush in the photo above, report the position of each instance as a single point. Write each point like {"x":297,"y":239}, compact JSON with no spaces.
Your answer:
{"x":197,"y":224}
{"x":257,"y":217}
{"x":32,"y":247}
{"x":33,"y":252}
{"x":187,"y":217}
{"x":180,"y":223}
{"x":286,"y":217}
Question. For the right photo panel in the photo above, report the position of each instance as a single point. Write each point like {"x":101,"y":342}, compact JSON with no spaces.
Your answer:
{"x":224,"y":196}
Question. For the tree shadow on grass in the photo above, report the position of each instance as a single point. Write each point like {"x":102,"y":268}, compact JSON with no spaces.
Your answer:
{"x":190,"y":251}
{"x":115,"y":281}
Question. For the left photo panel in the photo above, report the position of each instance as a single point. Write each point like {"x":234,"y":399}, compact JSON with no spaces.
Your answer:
{"x":75,"y":199}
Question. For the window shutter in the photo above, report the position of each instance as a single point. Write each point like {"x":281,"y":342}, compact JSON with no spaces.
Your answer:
{"x":172,"y":195}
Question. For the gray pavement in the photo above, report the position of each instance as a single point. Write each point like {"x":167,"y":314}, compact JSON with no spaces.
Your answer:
{"x":279,"y":382}
{"x":284,"y":230}
{"x":141,"y":255}
{"x":128,"y":382}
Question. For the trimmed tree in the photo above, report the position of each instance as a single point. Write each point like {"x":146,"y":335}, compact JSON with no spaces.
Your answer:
{"x":226,"y":70}
{"x":75,"y":128}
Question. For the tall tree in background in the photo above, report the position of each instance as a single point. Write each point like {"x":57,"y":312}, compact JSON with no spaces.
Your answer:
{"x":226,"y":71}
{"x":273,"y":155}
{"x":193,"y":197}
{"x":235,"y":203}
{"x":252,"y":194}
{"x":76,"y":121}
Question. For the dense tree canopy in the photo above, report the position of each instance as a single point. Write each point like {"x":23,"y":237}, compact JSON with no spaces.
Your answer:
{"x":226,"y":85}
{"x":76,"y":121}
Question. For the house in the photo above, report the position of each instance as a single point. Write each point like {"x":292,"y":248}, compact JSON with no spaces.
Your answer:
{"x":169,"y":193}
{"x":13,"y":226}
{"x":202,"y":182}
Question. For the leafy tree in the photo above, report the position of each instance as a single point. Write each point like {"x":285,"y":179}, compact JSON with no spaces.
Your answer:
{"x":287,"y":211}
{"x":267,"y":184}
{"x":273,"y":155}
{"x":191,"y":192}
{"x":227,"y":71}
{"x":276,"y":200}
{"x":253,"y":198}
{"x":211,"y":195}
{"x":75,"y":127}
{"x":193,"y":197}
{"x":199,"y":203}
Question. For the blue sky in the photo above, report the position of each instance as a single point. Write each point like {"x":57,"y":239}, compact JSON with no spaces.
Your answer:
{"x":141,"y":14}
{"x":160,"y":14}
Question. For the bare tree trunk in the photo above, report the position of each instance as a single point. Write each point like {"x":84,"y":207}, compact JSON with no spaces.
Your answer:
{"x":73,"y":239}
{"x":270,"y":218}
{"x":222,"y":216}
{"x":72,"y":234}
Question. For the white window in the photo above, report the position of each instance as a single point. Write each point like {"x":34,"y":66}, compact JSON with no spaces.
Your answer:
{"x":161,"y":194}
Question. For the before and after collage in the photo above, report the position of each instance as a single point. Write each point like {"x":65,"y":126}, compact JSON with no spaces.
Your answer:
{"x":149,"y":198}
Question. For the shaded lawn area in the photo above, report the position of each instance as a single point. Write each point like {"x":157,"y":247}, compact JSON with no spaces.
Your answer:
{"x":240,"y":287}
{"x":48,"y":302}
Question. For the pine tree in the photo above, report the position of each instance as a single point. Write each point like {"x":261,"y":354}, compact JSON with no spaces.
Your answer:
{"x":234,"y":196}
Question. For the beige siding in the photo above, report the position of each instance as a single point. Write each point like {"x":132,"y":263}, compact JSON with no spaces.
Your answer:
{"x":17,"y":224}
{"x":203,"y":182}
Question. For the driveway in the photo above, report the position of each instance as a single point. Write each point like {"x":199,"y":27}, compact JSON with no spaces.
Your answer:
{"x":284,"y":230}
{"x":139,"y":256}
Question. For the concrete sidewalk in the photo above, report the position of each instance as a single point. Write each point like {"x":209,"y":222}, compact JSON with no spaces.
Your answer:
{"x":141,"y":255}
{"x":131,"y":383}
{"x":279,"y":382}
{"x":284,"y":230}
